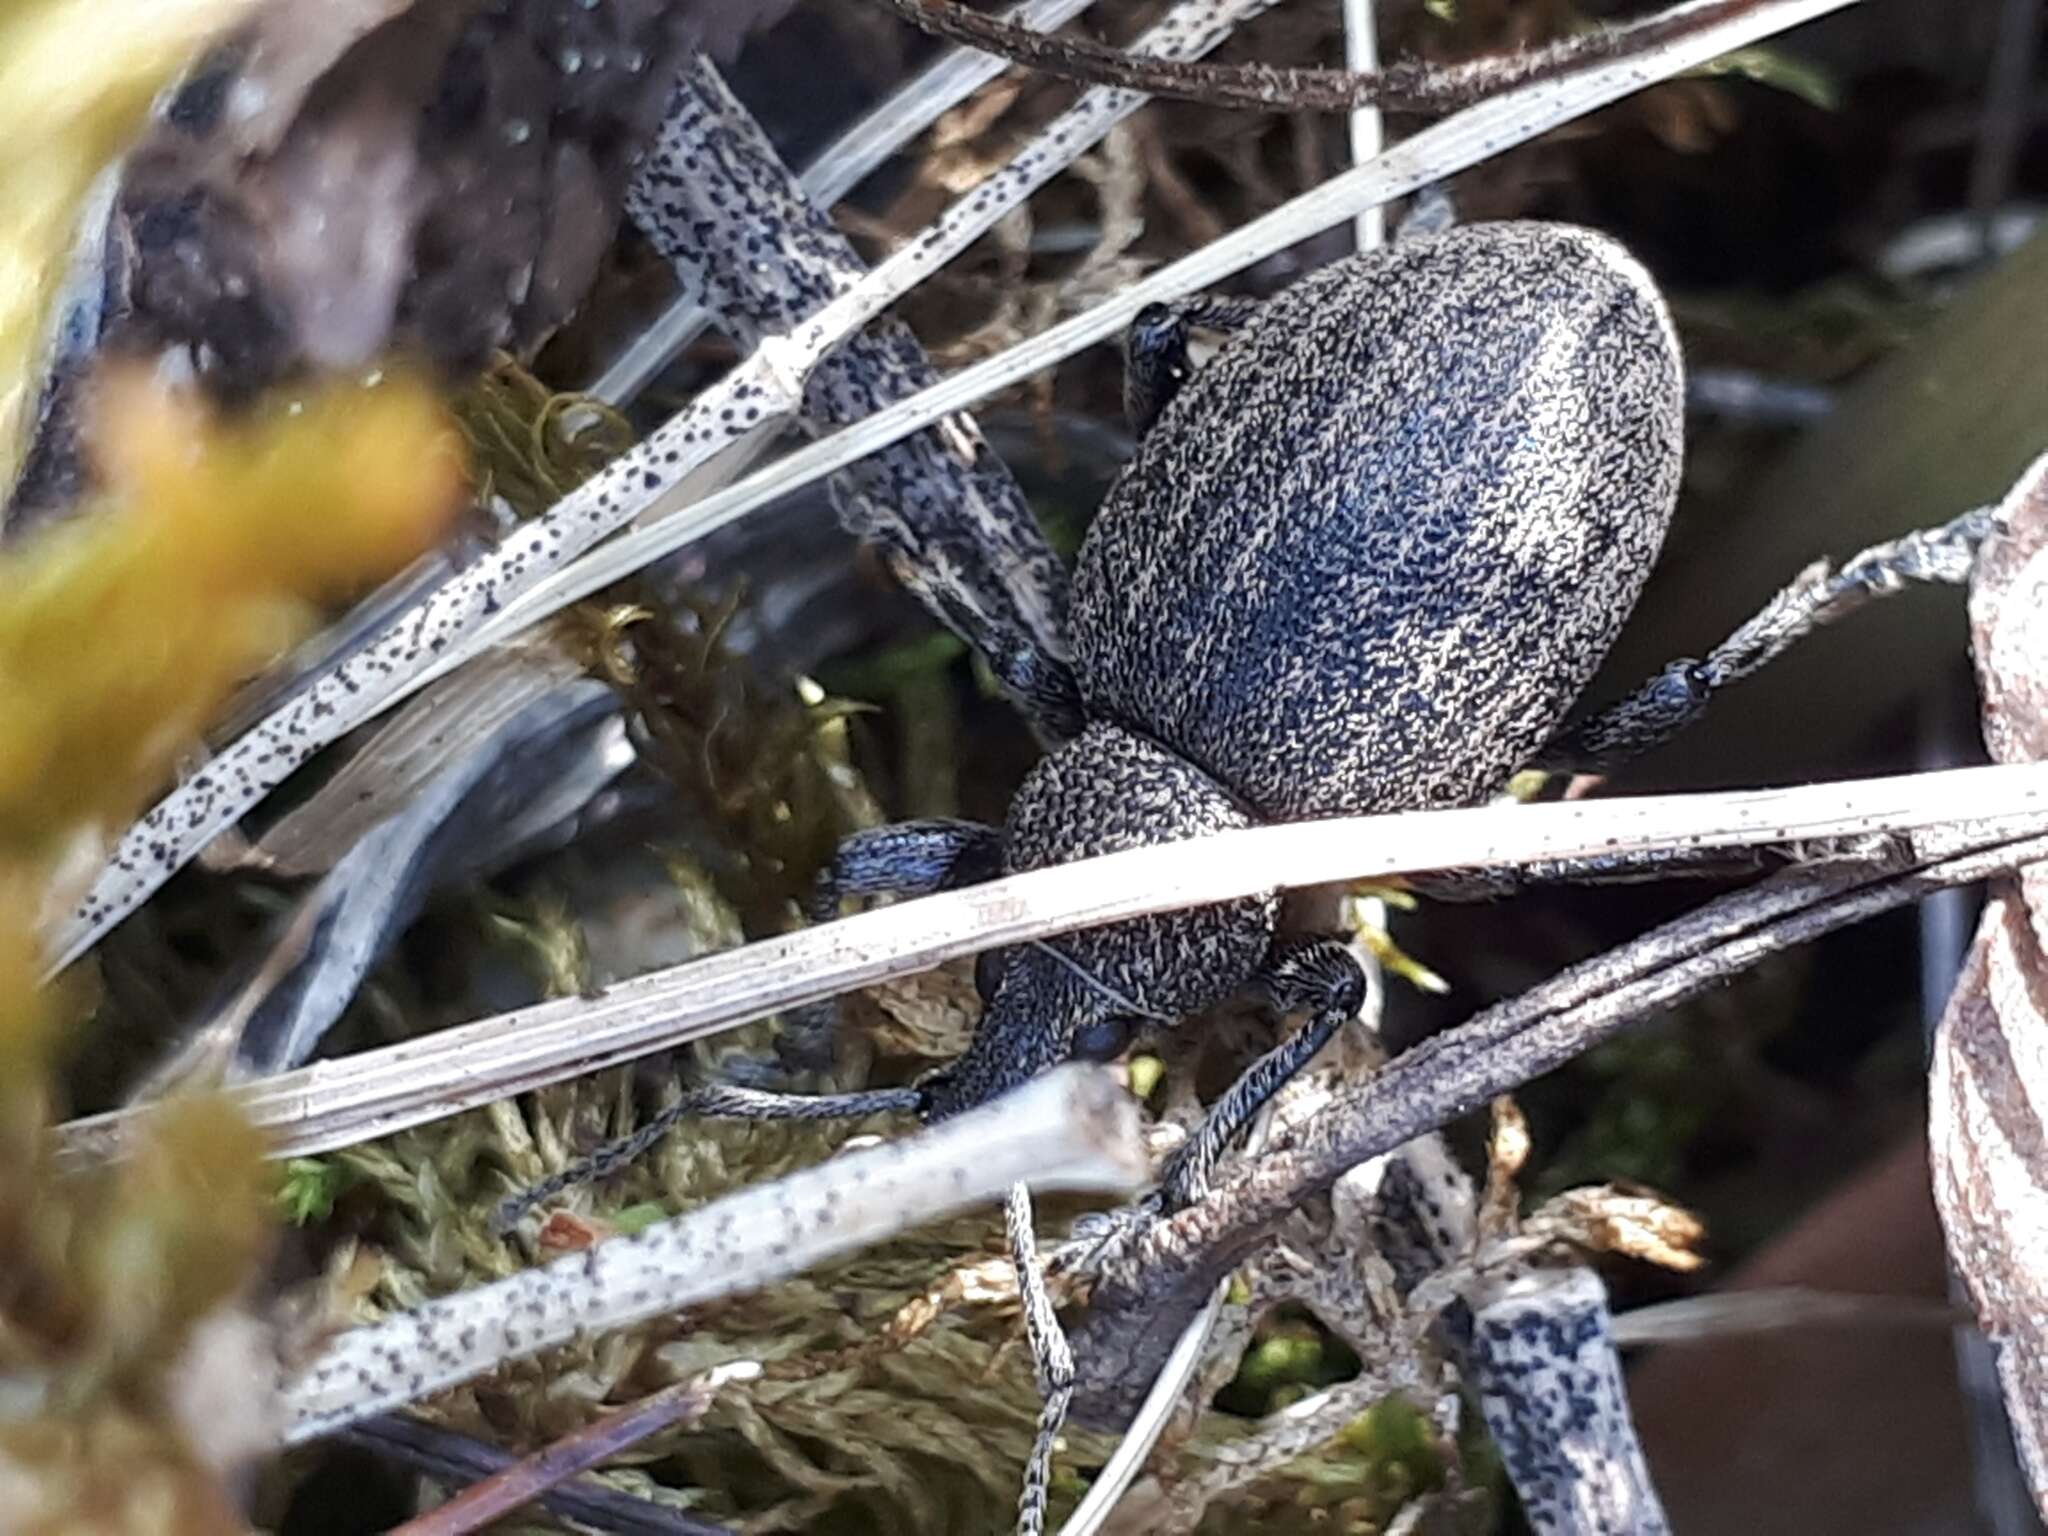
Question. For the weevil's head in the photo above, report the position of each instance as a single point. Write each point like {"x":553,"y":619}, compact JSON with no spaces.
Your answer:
{"x":1088,"y":995}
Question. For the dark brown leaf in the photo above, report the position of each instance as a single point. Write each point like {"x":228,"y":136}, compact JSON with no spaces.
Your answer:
{"x":440,"y":177}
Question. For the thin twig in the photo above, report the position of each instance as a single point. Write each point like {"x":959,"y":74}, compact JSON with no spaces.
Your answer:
{"x":2008,"y":95}
{"x":338,"y":1103}
{"x":1777,"y":1309}
{"x":453,"y":1459}
{"x":1071,"y":1129}
{"x":532,"y":1478}
{"x":1400,"y":87}
{"x":1368,"y":131}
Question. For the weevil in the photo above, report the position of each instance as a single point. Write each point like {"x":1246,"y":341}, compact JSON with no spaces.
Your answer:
{"x":1364,"y":559}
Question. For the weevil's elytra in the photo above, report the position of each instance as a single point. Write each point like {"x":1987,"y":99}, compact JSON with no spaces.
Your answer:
{"x":1376,"y":547}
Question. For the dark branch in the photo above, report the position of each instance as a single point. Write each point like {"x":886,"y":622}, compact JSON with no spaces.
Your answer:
{"x":453,"y":1459}
{"x":1410,"y":86}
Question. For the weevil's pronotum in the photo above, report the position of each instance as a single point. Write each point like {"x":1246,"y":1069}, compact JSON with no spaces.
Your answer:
{"x":1365,"y":559}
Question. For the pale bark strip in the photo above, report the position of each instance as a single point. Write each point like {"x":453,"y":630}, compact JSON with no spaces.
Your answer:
{"x":337,"y":1103}
{"x":1550,"y":1384}
{"x":1073,"y":1129}
{"x":1987,"y":1133}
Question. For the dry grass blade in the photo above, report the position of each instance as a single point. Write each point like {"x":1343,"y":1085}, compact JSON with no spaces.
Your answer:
{"x":339,"y":1103}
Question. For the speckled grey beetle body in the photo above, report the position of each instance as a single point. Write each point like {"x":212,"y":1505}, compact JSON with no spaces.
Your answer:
{"x":1365,"y":559}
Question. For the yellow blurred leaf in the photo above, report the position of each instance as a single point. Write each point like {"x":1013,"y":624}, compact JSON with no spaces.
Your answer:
{"x":122,"y":630}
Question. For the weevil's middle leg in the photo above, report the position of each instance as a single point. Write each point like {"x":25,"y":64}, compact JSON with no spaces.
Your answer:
{"x":1679,"y":695}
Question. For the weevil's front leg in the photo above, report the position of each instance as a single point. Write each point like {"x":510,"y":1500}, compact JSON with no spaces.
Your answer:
{"x":1159,"y":349}
{"x":905,"y":858}
{"x":908,"y":858}
{"x":1677,"y":696}
{"x":1318,"y":976}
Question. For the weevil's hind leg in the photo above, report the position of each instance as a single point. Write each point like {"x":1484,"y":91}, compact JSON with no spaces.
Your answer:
{"x":1159,"y":350}
{"x":1051,"y":1356}
{"x":1679,"y":695}
{"x":1318,"y":976}
{"x":908,"y":858}
{"x":718,"y":1102}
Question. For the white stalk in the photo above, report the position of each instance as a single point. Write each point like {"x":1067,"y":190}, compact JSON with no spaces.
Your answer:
{"x":1073,"y":1129}
{"x":357,"y":1098}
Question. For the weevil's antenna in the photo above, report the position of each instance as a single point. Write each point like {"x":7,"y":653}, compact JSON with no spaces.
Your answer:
{"x":716,"y":1103}
{"x":1095,"y":983}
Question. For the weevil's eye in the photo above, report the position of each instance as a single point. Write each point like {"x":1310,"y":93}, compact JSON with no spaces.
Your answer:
{"x":1149,"y":319}
{"x":1102,"y":1039}
{"x":988,"y":972}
